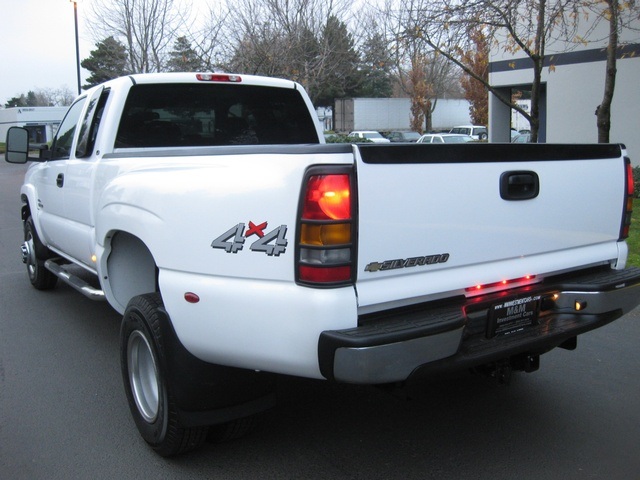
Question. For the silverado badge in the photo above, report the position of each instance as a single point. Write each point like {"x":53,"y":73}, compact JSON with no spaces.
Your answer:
{"x":407,"y":262}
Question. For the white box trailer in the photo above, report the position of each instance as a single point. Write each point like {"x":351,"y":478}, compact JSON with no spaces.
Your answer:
{"x":386,"y":114}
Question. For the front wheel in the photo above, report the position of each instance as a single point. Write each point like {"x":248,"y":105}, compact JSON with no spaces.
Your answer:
{"x":34,"y":254}
{"x":150,"y":401}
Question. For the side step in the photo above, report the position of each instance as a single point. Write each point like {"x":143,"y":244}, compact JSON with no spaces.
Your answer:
{"x":74,"y":281}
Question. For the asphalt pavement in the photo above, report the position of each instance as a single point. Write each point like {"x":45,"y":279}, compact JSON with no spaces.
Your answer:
{"x":63,"y":412}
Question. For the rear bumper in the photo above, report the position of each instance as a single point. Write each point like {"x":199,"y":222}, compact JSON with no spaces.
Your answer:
{"x":390,"y":346}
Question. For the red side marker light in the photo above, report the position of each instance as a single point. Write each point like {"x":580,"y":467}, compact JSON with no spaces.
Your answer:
{"x":191,"y":297}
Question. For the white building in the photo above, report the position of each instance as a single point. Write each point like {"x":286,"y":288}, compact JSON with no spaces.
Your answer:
{"x":42,"y":122}
{"x":572,"y":88}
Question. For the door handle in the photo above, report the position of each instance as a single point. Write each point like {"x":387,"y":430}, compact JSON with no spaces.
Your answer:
{"x":519,"y":185}
{"x":60,"y":180}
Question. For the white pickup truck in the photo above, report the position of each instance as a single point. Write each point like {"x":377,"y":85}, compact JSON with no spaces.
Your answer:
{"x":206,"y":209}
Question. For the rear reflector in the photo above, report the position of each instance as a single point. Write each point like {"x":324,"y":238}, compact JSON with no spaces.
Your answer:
{"x":324,"y":275}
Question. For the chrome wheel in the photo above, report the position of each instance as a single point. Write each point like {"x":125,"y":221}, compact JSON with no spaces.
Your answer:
{"x":29,"y":255}
{"x":34,"y":254}
{"x":143,"y":376}
{"x":148,"y":390}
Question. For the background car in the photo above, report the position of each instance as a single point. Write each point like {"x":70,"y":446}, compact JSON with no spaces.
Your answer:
{"x":478,"y":132}
{"x":399,"y":136}
{"x":445,"y":138}
{"x":370,"y":135}
{"x":522,"y":138}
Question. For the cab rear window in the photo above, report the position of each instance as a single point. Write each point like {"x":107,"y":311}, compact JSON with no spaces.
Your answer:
{"x":177,"y":115}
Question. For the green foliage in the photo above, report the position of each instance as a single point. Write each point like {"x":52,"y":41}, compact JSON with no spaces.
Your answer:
{"x":636,"y":180}
{"x":107,"y":61}
{"x":634,"y":235}
{"x":324,"y":60}
{"x":183,"y":58}
{"x":340,"y":76}
{"x":341,"y":138}
{"x":31,"y":99}
{"x":375,"y":68}
{"x":20,"y":101}
{"x":43,"y":98}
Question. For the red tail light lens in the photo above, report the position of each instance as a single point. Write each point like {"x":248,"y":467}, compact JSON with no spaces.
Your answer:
{"x":628,"y":201}
{"x":325,"y":249}
{"x":325,"y":275}
{"x":328,"y":197}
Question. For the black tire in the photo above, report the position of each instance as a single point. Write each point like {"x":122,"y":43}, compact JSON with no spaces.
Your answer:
{"x":233,"y":430}
{"x":34,"y":254}
{"x":150,"y":400}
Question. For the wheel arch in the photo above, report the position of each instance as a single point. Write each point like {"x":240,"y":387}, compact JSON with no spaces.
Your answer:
{"x":25,"y":210}
{"x":128,"y":269}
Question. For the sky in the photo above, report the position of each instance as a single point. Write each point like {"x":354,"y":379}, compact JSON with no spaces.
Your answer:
{"x":37,"y":46}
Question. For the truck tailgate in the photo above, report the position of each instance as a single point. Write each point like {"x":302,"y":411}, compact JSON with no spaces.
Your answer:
{"x":437,"y":220}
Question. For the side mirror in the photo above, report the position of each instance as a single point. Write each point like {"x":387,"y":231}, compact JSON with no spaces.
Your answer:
{"x":17,"y":148}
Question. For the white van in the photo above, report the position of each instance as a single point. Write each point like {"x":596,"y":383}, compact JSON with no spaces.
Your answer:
{"x":478,"y":132}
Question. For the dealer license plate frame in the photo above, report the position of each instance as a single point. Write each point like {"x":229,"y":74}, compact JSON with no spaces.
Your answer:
{"x":513,"y":316}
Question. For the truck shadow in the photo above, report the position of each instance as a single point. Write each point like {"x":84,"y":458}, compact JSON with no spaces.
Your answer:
{"x":455,"y":423}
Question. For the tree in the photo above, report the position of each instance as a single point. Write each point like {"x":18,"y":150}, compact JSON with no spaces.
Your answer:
{"x":146,"y":28}
{"x":338,"y":76}
{"x":55,"y":97}
{"x":476,"y":91}
{"x":420,"y":93}
{"x":60,"y":97}
{"x":107,"y":61}
{"x":619,"y":16}
{"x":183,"y":58}
{"x":424,"y":76}
{"x":304,"y":40}
{"x":211,"y":42}
{"x":375,"y":66}
{"x":514,"y":26}
{"x":18,"y":101}
{"x":604,"y":109}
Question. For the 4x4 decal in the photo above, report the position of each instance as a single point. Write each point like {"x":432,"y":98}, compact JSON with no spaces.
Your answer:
{"x":272,"y":243}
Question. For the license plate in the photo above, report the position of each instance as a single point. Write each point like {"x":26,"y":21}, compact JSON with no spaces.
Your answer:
{"x":513,"y":316}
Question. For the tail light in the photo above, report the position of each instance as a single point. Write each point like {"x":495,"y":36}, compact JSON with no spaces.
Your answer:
{"x":325,"y":249}
{"x":628,"y":200}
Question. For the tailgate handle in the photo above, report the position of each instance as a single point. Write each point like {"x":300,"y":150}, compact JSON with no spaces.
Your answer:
{"x":519,"y":185}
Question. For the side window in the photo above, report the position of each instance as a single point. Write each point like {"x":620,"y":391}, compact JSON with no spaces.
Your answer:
{"x":61,"y":148}
{"x":90,"y":125}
